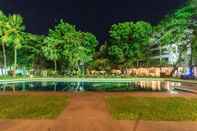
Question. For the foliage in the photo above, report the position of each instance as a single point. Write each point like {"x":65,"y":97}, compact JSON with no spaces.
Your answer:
{"x":3,"y":28}
{"x":101,"y":64}
{"x":176,"y":33}
{"x":194,"y":27}
{"x":11,"y":34}
{"x":129,"y":41}
{"x":74,"y":47}
{"x":31,"y":52}
{"x":172,"y":28}
{"x":15,"y":32}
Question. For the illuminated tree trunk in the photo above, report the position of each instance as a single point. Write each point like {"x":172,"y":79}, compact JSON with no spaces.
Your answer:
{"x":55,"y":65}
{"x":4,"y":59}
{"x":15,"y":61}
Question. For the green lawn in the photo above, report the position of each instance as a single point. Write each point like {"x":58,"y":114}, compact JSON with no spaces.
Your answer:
{"x":31,"y":107}
{"x":149,"y":108}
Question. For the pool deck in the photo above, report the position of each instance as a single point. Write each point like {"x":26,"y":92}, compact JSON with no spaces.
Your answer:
{"x":88,"y":112}
{"x":19,"y":80}
{"x":62,"y":79}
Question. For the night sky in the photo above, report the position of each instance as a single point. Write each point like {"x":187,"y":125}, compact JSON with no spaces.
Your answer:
{"x":94,"y":16}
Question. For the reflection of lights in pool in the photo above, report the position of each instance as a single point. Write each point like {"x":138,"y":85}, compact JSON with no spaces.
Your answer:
{"x":31,"y":85}
{"x":167,"y":85}
{"x":173,"y":92}
{"x":154,"y":85}
{"x":173,"y":85}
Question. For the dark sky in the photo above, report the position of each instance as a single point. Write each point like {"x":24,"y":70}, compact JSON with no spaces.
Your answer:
{"x":94,"y":16}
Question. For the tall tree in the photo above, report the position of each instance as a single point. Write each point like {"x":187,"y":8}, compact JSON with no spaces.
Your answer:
{"x":74,"y":47}
{"x":194,"y":27}
{"x":175,"y":30}
{"x":129,"y":42}
{"x":79,"y":50}
{"x":51,"y":51}
{"x":31,"y":54}
{"x":15,"y":35}
{"x":3,"y":38}
{"x":54,"y":42}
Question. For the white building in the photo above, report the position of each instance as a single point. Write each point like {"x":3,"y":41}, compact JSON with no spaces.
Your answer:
{"x":169,"y":54}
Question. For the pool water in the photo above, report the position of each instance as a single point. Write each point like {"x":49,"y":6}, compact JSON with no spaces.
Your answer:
{"x":90,"y":86}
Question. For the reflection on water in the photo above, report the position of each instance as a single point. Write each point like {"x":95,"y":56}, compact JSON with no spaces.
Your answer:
{"x":158,"y":85}
{"x":153,"y":85}
{"x":91,"y":86}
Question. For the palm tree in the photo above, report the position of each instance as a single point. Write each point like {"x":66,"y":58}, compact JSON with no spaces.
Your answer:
{"x":16,"y":35}
{"x":3,"y":38}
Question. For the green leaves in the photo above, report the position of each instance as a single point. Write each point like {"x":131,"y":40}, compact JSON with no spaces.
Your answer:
{"x":142,"y":31}
{"x":12,"y":30}
{"x":173,"y":27}
{"x":121,"y":31}
{"x":11,"y":33}
{"x":64,"y":42}
{"x":176,"y":29}
{"x":128,"y":41}
{"x":116,"y":53}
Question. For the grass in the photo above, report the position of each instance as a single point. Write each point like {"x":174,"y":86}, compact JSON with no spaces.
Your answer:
{"x":156,"y":109}
{"x":31,"y":107}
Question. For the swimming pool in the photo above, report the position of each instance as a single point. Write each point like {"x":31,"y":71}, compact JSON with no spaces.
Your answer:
{"x":80,"y":86}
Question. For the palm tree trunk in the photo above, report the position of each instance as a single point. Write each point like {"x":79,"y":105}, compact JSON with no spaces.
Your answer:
{"x":15,"y":62}
{"x":55,"y":65}
{"x":4,"y":59}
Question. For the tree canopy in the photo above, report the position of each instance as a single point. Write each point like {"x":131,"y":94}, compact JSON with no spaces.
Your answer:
{"x":129,"y":42}
{"x":74,"y":47}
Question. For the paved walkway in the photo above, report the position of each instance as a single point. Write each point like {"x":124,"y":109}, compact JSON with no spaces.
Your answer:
{"x":88,"y":112}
